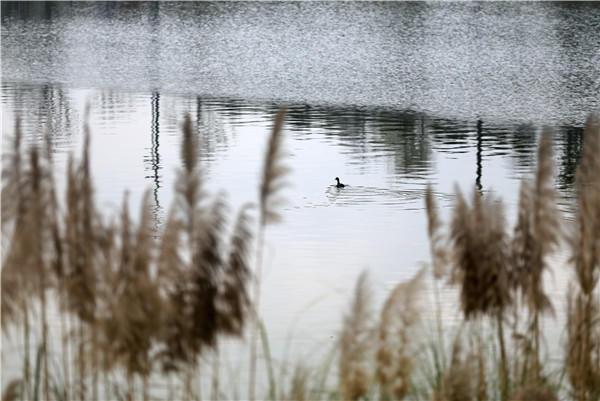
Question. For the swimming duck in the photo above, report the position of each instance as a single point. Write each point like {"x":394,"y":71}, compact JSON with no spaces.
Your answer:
{"x":339,"y":184}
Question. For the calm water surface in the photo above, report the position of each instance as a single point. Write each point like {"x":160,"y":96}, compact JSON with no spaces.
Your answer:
{"x":387,"y":96}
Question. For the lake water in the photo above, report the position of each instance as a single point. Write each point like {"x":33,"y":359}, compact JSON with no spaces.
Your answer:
{"x":386,"y":96}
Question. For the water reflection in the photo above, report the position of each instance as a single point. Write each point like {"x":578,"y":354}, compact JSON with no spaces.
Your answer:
{"x":479,"y":149}
{"x":154,"y":158}
{"x":408,"y":143}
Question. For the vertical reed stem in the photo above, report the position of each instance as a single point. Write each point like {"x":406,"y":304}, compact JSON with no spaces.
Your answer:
{"x":504,"y":382}
{"x":45,"y":342}
{"x":94,"y":365}
{"x":26,"y":335}
{"x":440,"y":328}
{"x":536,"y":347}
{"x":82,"y":365}
{"x":215,"y":377}
{"x":255,"y":328}
{"x":65,"y":350}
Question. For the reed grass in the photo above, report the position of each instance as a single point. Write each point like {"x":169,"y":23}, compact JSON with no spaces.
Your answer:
{"x":273,"y":179}
{"x":135,"y":303}
{"x":356,"y":344}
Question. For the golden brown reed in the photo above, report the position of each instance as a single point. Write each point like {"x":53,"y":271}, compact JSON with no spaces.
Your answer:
{"x":479,"y":246}
{"x":537,"y":231}
{"x":356,"y":343}
{"x":534,"y":393}
{"x":233,"y":300}
{"x":272,"y":181}
{"x":130,"y":325}
{"x":396,"y":350}
{"x":135,"y":298}
{"x":274,"y":172}
{"x":438,"y":246}
{"x":481,"y":266}
{"x":460,"y":379}
{"x":583,"y":331}
{"x":204,"y":284}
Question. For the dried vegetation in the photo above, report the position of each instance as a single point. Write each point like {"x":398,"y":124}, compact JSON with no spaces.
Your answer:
{"x":134,"y":302}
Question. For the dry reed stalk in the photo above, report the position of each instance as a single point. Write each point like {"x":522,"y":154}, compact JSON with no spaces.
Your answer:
{"x":582,"y":360}
{"x":356,"y":344}
{"x":440,"y":257}
{"x":12,"y":189}
{"x":58,"y":264}
{"x":176,"y":265}
{"x":482,"y":382}
{"x":536,"y":232}
{"x":130,"y":326}
{"x":534,"y":393}
{"x":204,"y":276}
{"x":272,"y":181}
{"x":437,"y":241}
{"x":28,"y":261}
{"x":16,"y":284}
{"x":203,"y":279}
{"x":546,"y":234}
{"x":396,"y":351}
{"x":216,"y":368}
{"x":232,"y":300}
{"x":299,"y":386}
{"x":274,"y":172}
{"x":460,"y":382}
{"x":39,"y":217}
{"x":536,"y":235}
{"x":479,"y":245}
{"x":81,"y":224}
{"x":481,"y":265}
{"x":110,"y":284}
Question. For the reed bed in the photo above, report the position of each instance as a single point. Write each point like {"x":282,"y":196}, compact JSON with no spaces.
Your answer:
{"x":135,"y":304}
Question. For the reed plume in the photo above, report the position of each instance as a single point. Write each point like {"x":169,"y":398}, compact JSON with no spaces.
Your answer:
{"x":438,"y":248}
{"x":233,"y":300}
{"x":544,"y":228}
{"x":129,"y":328}
{"x":14,"y":209}
{"x":29,"y":258}
{"x":583,"y":331}
{"x":481,"y":265}
{"x":536,"y":235}
{"x":437,"y":244}
{"x":396,"y":351}
{"x":203,"y":279}
{"x":274,"y":172}
{"x":80,"y":223}
{"x":204,"y":275}
{"x":356,"y":343}
{"x":480,"y":246}
{"x":12,"y":184}
{"x":272,"y":181}
{"x":132,"y":306}
{"x":14,"y":302}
